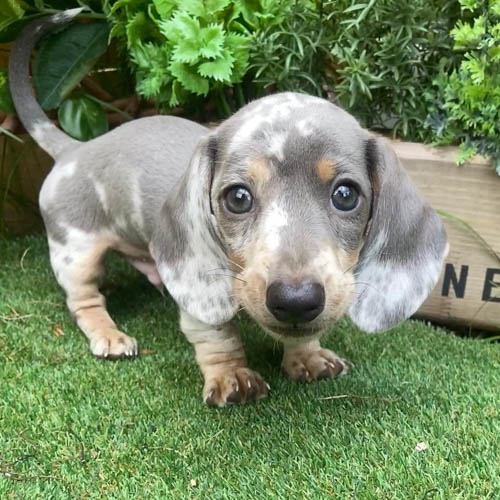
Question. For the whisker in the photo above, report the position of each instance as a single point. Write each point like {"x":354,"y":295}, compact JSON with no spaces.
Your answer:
{"x":349,"y":268}
{"x":367,"y":284}
{"x":228,"y":276}
{"x":364,"y":283}
{"x":222,"y":269}
{"x":236,"y":264}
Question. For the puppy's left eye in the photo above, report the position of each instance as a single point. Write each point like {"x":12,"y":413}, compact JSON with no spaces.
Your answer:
{"x":238,"y":200}
{"x":345,"y":197}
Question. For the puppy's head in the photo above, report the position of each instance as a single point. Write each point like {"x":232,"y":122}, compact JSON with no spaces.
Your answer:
{"x":294,"y":212}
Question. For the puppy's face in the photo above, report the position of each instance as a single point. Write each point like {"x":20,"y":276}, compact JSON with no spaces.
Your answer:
{"x":295,"y":198}
{"x":292,"y":195}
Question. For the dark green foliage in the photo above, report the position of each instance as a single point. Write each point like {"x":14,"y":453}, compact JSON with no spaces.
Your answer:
{"x":64,"y":58}
{"x":291,"y":53}
{"x":417,"y":69}
{"x":82,"y":118}
{"x":467,"y":107}
{"x":386,"y":55}
{"x":180,"y":48}
{"x":10,"y":12}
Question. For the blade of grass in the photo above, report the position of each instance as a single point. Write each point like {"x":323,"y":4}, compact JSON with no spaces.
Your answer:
{"x":105,"y":104}
{"x":8,"y":133}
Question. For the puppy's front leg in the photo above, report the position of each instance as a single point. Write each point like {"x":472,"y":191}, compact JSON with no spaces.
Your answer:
{"x":222,"y":360}
{"x":307,"y":361}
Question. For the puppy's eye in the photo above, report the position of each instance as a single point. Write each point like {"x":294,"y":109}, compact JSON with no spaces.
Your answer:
{"x":345,"y":197}
{"x":238,"y":200}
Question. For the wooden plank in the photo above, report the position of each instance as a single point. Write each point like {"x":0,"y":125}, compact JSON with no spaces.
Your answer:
{"x":23,"y":167}
{"x":471,"y":193}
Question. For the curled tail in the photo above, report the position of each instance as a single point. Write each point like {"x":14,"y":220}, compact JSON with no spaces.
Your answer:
{"x":36,"y":122}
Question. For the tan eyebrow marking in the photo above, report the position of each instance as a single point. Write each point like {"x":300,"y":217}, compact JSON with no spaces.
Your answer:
{"x":259,"y":171}
{"x":325,"y":169}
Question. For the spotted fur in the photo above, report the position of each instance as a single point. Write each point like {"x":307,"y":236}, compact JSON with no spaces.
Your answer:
{"x":154,"y":190}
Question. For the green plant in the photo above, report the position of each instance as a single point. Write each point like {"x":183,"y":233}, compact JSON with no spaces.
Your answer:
{"x":386,"y":54}
{"x":291,"y":53}
{"x":467,"y":108}
{"x":63,"y":59}
{"x":392,"y":64}
{"x":61,"y":78}
{"x":178,"y":48}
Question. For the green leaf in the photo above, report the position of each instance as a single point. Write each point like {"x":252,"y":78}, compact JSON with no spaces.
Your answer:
{"x":82,"y":118}
{"x":174,"y":96}
{"x":152,"y":71}
{"x":187,"y":51}
{"x":219,"y":69}
{"x":214,"y":6}
{"x":250,"y":10}
{"x":355,"y":7}
{"x":181,"y":27}
{"x":468,"y":4}
{"x":204,"y":9}
{"x":189,"y":78}
{"x":193,"y":7}
{"x":139,"y":28}
{"x":465,"y":152}
{"x":239,"y":47}
{"x":466,"y":35}
{"x":118,"y":31}
{"x":6,"y":104}
{"x":212,"y":39}
{"x":10,"y":11}
{"x":130,"y":5}
{"x":65,"y":58}
{"x":494,"y":7}
{"x":164,"y":8}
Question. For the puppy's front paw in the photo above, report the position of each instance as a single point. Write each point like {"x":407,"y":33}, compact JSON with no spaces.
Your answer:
{"x":113,"y":344}
{"x":234,"y":386}
{"x":308,"y":365}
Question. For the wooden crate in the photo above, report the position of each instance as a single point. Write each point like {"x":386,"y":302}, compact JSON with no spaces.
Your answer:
{"x":23,"y":167}
{"x":465,"y":293}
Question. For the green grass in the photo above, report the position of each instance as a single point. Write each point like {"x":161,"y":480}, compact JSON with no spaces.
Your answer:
{"x":72,"y":426}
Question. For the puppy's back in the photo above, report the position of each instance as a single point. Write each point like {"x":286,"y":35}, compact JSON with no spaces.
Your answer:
{"x":119,"y":181}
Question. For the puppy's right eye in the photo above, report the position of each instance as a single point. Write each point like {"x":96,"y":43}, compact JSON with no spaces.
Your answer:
{"x":238,"y":200}
{"x":345,"y":197}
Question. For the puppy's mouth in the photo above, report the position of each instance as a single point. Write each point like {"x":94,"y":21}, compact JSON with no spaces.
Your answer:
{"x":295,"y":330}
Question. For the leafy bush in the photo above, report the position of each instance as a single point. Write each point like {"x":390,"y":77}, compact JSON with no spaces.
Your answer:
{"x":468,"y":105}
{"x":291,"y":53}
{"x":178,"y":47}
{"x":386,"y":55}
{"x":422,"y":70}
{"x":61,"y":62}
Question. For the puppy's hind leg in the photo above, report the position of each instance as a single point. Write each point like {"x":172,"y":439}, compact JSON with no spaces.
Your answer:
{"x":78,"y":264}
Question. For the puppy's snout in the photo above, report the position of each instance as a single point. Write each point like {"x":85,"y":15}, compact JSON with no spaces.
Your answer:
{"x":295,"y":303}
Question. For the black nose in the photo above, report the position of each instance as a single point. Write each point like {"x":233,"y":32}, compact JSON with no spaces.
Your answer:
{"x":295,"y":303}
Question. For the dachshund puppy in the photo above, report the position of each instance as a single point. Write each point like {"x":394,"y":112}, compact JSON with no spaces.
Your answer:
{"x":289,"y":209}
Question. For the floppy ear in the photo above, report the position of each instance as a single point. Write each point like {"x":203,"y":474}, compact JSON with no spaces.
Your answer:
{"x":404,"y":249}
{"x":186,"y":245}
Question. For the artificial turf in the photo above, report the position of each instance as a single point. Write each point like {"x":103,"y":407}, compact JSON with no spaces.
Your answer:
{"x":72,"y":426}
